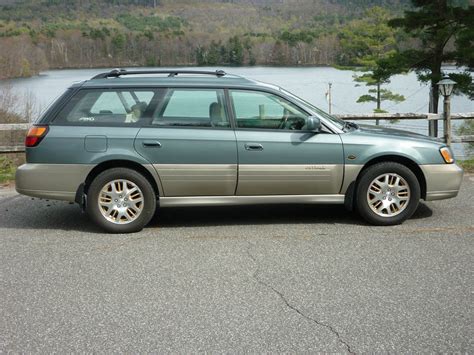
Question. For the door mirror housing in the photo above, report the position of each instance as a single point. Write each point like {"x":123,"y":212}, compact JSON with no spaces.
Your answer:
{"x":313,"y":124}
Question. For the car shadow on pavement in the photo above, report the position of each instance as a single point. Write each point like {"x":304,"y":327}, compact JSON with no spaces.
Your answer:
{"x":25,"y":213}
{"x":263,"y":214}
{"x":21,"y":212}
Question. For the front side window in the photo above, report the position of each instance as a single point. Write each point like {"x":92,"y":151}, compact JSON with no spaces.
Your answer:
{"x":261,"y":110}
{"x":109,"y":107}
{"x":192,"y":108}
{"x":337,"y":121}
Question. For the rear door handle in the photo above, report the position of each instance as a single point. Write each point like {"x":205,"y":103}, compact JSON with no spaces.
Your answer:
{"x":151,"y":144}
{"x":253,"y":146}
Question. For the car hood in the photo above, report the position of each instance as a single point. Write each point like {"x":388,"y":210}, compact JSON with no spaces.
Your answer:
{"x":395,"y":133}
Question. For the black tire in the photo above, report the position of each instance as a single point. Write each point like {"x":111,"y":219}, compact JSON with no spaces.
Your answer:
{"x":107,"y":176}
{"x":364,"y":182}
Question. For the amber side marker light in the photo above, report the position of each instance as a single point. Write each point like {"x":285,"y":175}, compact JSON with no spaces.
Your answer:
{"x":35,"y":135}
{"x":446,"y":154}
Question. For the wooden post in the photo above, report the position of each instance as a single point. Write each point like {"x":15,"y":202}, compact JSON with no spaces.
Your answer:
{"x":330,"y":98}
{"x":377,"y":121}
{"x":261,"y":112}
{"x":432,"y":125}
{"x":447,"y":120}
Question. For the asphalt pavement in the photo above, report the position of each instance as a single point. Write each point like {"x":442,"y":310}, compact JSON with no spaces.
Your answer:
{"x":237,"y":279}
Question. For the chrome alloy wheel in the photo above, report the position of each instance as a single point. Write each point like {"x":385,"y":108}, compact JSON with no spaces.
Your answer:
{"x":388,"y":195}
{"x":121,"y":201}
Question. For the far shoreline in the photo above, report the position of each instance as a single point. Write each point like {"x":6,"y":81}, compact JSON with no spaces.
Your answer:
{"x":187,"y":66}
{"x":447,"y":66}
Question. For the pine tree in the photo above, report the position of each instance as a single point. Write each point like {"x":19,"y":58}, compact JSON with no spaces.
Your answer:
{"x":367,"y":43}
{"x":445,"y":31}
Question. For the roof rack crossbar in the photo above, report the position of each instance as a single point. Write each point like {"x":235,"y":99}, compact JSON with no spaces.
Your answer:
{"x":115,"y":73}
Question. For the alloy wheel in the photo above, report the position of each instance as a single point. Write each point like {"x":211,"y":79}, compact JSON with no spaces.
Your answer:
{"x":121,"y":201}
{"x":388,"y":195}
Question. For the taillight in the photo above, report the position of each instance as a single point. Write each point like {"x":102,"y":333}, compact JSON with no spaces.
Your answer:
{"x":35,"y":135}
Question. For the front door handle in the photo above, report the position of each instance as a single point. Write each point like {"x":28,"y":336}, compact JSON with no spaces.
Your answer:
{"x":151,"y":144}
{"x":253,"y":146}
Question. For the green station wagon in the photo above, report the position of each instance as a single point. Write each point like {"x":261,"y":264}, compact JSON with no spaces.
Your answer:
{"x":126,"y":141}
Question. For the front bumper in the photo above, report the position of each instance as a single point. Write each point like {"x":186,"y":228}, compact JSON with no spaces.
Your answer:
{"x":442,"y":181}
{"x":51,"y":181}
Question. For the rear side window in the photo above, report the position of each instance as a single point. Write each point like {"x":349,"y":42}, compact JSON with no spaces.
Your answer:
{"x":192,"y":107}
{"x":107,"y":107}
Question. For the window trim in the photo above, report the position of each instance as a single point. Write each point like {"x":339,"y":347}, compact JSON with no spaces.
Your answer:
{"x":58,"y":107}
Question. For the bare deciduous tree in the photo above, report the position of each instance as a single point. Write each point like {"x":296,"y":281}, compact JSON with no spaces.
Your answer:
{"x":16,"y":107}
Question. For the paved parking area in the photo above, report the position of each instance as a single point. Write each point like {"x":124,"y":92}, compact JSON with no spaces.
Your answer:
{"x":275,"y":279}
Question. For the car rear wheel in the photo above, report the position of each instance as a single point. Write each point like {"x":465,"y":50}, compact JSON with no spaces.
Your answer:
{"x":388,"y":193}
{"x":121,"y":200}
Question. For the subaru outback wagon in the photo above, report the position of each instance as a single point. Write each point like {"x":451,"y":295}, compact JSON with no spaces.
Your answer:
{"x":125,"y":142}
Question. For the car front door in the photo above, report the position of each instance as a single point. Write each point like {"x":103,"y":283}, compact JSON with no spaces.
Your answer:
{"x":277,"y":156}
{"x":191,"y":144}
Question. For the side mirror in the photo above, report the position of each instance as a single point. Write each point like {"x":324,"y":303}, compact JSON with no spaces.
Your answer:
{"x":313,"y":124}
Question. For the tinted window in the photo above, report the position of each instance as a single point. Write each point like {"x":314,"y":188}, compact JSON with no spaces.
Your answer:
{"x":255,"y":109}
{"x":115,"y":107}
{"x":192,"y":107}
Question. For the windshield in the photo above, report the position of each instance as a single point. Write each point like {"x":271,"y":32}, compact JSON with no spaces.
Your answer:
{"x":336,"y":121}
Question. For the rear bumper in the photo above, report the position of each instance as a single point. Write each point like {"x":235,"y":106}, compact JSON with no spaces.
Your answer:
{"x":442,"y":181}
{"x":51,"y":181}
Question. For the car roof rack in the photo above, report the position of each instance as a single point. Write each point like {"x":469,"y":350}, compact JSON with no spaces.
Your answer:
{"x":115,"y":73}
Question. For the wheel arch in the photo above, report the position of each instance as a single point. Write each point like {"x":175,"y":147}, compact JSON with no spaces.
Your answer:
{"x":409,"y":163}
{"x":99,"y":168}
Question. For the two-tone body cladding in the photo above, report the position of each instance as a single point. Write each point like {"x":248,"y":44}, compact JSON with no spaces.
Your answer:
{"x":369,"y":143}
{"x":58,"y":173}
{"x":120,"y":145}
{"x":191,"y":162}
{"x":289,"y":163}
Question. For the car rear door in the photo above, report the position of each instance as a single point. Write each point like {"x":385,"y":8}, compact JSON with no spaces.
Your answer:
{"x":191,"y":144}
{"x":277,"y":156}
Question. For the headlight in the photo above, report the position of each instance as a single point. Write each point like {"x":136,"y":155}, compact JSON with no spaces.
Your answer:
{"x":447,"y":155}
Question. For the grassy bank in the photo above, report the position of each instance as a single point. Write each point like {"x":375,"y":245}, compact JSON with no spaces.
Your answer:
{"x":7,"y":170}
{"x":467,"y":165}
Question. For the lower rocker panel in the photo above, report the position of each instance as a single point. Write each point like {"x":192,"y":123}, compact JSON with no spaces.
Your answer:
{"x":249,"y":200}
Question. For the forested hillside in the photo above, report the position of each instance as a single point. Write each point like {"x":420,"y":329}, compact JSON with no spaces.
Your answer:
{"x":39,"y":34}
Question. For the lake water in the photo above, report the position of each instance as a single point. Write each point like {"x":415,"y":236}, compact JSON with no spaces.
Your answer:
{"x":309,"y":83}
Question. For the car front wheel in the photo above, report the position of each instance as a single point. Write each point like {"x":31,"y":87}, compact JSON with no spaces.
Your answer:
{"x":387,"y":194}
{"x":121,"y":200}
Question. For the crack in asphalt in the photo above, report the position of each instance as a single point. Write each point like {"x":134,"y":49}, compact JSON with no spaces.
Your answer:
{"x":292,"y":307}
